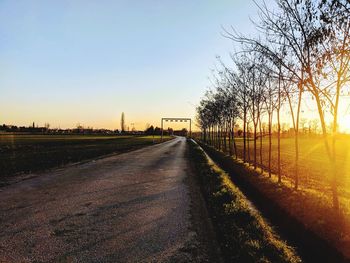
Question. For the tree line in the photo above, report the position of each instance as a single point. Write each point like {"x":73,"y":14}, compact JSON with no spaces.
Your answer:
{"x":302,"y":50}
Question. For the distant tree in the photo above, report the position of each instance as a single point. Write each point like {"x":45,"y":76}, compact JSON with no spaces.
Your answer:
{"x":122,"y":123}
{"x":303,"y":122}
{"x":314,"y":125}
{"x":170,"y":131}
{"x":157,"y":131}
{"x":150,"y":130}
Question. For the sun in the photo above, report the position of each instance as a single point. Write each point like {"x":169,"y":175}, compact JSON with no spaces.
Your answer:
{"x":344,"y":123}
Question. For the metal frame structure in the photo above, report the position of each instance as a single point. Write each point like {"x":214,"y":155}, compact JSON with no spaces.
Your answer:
{"x":176,"y":120}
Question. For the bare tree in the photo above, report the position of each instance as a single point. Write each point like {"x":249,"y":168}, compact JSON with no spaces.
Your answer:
{"x":122,"y":122}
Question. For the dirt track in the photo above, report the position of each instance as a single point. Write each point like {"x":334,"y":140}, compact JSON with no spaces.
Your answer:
{"x":132,"y":207}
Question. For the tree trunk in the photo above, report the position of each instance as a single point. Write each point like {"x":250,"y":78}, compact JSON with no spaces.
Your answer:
{"x":279,"y":128}
{"x":229,"y":140}
{"x":270,"y":142}
{"x":331,"y":158}
{"x":261,"y":138}
{"x":255,"y":146}
{"x":234,"y":141}
{"x":225,"y":135}
{"x":334,"y":150}
{"x":244,"y":136}
{"x":248,"y":143}
{"x":296,"y":176}
{"x":279,"y":140}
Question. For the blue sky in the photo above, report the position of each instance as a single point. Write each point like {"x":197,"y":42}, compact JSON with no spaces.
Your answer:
{"x":69,"y":62}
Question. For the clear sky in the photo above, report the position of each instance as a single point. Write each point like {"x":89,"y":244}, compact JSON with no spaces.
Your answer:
{"x":69,"y":62}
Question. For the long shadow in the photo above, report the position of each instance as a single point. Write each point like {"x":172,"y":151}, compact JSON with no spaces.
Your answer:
{"x":309,"y":246}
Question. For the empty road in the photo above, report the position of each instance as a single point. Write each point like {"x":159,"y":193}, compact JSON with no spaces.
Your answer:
{"x":132,"y":207}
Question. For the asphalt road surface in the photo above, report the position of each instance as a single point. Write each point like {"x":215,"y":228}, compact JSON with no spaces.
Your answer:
{"x":132,"y":207}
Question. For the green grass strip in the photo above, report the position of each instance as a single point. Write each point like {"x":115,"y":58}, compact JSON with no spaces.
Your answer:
{"x":243,"y":234}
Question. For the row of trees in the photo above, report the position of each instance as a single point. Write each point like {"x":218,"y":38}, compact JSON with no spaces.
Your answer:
{"x":303,"y":50}
{"x":158,"y":131}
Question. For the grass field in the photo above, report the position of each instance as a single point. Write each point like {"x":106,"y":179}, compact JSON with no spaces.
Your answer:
{"x":312,"y":203}
{"x":305,"y":217}
{"x":314,"y":166}
{"x":31,"y":153}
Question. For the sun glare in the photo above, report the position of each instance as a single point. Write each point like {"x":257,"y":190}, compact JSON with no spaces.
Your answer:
{"x":344,"y":123}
